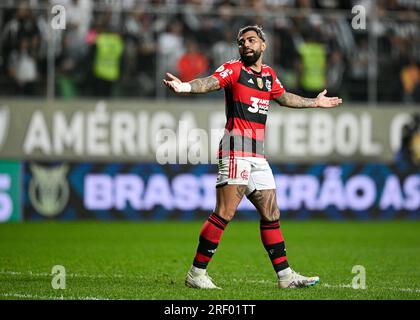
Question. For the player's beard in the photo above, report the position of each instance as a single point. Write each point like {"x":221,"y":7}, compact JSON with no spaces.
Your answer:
{"x":250,"y":60}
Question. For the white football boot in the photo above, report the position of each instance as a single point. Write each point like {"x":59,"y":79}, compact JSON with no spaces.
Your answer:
{"x":199,"y":280}
{"x":295,"y":280}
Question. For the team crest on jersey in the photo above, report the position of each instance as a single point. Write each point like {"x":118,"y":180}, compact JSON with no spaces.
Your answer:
{"x":245,"y":174}
{"x":260,"y":83}
{"x":268,"y":84}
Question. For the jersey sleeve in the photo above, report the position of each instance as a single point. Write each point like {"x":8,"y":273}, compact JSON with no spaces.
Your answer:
{"x":277,"y":88}
{"x":225,"y":75}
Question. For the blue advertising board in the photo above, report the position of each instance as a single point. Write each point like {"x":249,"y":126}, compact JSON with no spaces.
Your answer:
{"x":118,"y":191}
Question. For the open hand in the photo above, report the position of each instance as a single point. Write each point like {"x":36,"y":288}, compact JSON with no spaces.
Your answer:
{"x":327,"y":102}
{"x":174,"y":84}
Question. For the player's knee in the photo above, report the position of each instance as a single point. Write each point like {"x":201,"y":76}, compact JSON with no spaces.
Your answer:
{"x":276,"y":214}
{"x":271,"y":215}
{"x":226,"y":213}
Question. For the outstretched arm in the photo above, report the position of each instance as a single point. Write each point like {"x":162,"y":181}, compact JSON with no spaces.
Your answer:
{"x":291,"y":100}
{"x":201,"y":85}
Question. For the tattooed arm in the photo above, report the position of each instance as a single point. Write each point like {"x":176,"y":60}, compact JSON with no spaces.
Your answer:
{"x":204,"y":85}
{"x":201,"y":85}
{"x":291,"y":100}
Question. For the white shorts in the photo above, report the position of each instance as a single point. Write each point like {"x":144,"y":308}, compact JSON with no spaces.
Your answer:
{"x":253,"y":172}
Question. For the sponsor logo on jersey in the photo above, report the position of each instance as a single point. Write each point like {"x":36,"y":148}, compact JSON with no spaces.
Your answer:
{"x":259,"y":105}
{"x":251,"y":81}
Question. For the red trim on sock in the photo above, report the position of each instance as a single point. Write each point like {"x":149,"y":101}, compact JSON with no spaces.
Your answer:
{"x":201,"y":258}
{"x":217,"y":219}
{"x":279,"y":260}
{"x":271,"y":236}
{"x":211,"y":232}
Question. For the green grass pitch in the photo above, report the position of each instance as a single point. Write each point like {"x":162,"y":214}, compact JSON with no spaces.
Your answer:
{"x":139,"y":260}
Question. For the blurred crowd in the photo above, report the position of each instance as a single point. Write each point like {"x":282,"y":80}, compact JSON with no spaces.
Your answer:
{"x":123,"y":48}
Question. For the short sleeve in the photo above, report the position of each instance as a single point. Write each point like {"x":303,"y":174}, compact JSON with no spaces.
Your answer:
{"x":225,"y":75}
{"x":277,"y":88}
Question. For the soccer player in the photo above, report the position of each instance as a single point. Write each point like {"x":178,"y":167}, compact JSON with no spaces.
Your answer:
{"x":243,"y":169}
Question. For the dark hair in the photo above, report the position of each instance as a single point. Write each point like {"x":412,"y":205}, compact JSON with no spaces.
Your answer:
{"x":258,"y":30}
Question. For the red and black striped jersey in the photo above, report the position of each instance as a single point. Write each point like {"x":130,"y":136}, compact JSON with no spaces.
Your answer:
{"x":247,"y":95}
